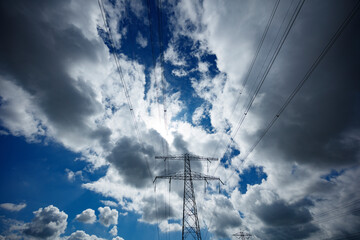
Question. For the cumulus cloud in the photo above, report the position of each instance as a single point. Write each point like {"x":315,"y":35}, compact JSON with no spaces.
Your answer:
{"x":141,"y":40}
{"x":223,"y":220}
{"x":113,"y":231}
{"x":108,"y":216}
{"x":173,"y":57}
{"x":42,"y":82}
{"x":81,"y":235}
{"x":169,"y":227}
{"x":118,"y":238}
{"x":71,"y":176}
{"x":162,"y":213}
{"x":179,"y":72}
{"x":87,"y":216}
{"x":13,"y":207}
{"x":131,"y":159}
{"x":48,"y":223}
{"x":109,"y":203}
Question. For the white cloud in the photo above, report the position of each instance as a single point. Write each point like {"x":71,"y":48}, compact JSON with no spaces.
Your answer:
{"x":109,"y":203}
{"x":179,"y":72}
{"x":108,"y":216}
{"x":172,"y":56}
{"x":18,"y":113}
{"x":203,"y":67}
{"x":81,"y":235}
{"x":87,"y":216}
{"x":199,"y":114}
{"x":118,"y":238}
{"x":113,"y":231}
{"x":13,"y":207}
{"x":71,"y":176}
{"x":48,"y":223}
{"x":141,"y":40}
{"x":138,"y":8}
{"x":115,"y":12}
{"x":169,"y":227}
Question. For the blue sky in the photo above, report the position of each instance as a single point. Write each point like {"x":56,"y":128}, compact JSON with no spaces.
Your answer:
{"x":73,"y":165}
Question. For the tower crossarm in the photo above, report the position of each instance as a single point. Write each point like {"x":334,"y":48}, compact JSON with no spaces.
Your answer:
{"x":182,"y":176}
{"x":190,"y":226}
{"x":242,"y":235}
{"x":190,"y":156}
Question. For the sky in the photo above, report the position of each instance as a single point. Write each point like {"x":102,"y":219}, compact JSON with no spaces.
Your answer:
{"x":270,"y":88}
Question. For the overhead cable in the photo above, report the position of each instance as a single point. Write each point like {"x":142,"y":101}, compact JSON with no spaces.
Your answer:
{"x":305,"y":78}
{"x":121,"y":76}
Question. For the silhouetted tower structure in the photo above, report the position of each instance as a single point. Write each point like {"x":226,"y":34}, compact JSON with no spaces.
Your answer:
{"x":190,"y":226}
{"x":242,"y":235}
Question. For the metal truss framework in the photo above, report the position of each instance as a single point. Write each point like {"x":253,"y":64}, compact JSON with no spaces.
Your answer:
{"x":190,"y":226}
{"x":242,"y":235}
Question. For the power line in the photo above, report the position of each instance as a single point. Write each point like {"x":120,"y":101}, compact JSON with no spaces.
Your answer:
{"x":346,"y":205}
{"x":121,"y":76}
{"x":306,"y":77}
{"x":157,"y":100}
{"x":252,"y":64}
{"x":154,"y":63}
{"x":256,"y":54}
{"x":161,"y":49}
{"x":269,"y":66}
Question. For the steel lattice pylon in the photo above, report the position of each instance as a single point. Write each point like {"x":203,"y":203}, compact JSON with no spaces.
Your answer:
{"x":242,"y":235}
{"x":191,"y":226}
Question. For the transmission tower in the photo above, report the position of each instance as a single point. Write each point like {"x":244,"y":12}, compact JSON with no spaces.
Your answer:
{"x":190,"y":223}
{"x":242,"y":235}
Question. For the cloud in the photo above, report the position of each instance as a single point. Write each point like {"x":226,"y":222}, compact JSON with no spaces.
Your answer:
{"x":179,"y":72}
{"x":118,"y":238}
{"x":58,"y":81}
{"x":13,"y":207}
{"x":48,"y":223}
{"x":223,"y":220}
{"x":141,"y":40}
{"x":279,"y":213}
{"x":180,"y":145}
{"x":199,"y":114}
{"x":113,"y":231}
{"x":316,"y":133}
{"x":173,"y":57}
{"x":138,"y":8}
{"x":109,"y":203}
{"x":45,"y":92}
{"x":108,"y":216}
{"x":169,"y":227}
{"x":81,"y":235}
{"x":87,"y":216}
{"x":77,"y":99}
{"x":4,"y":133}
{"x":71,"y":176}
{"x":164,"y":211}
{"x":131,"y":158}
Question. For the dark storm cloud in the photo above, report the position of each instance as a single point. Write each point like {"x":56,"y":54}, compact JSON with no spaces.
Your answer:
{"x":321,"y":125}
{"x":279,"y":213}
{"x":130,"y":158}
{"x":289,"y":232}
{"x":38,"y":46}
{"x":285,"y":220}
